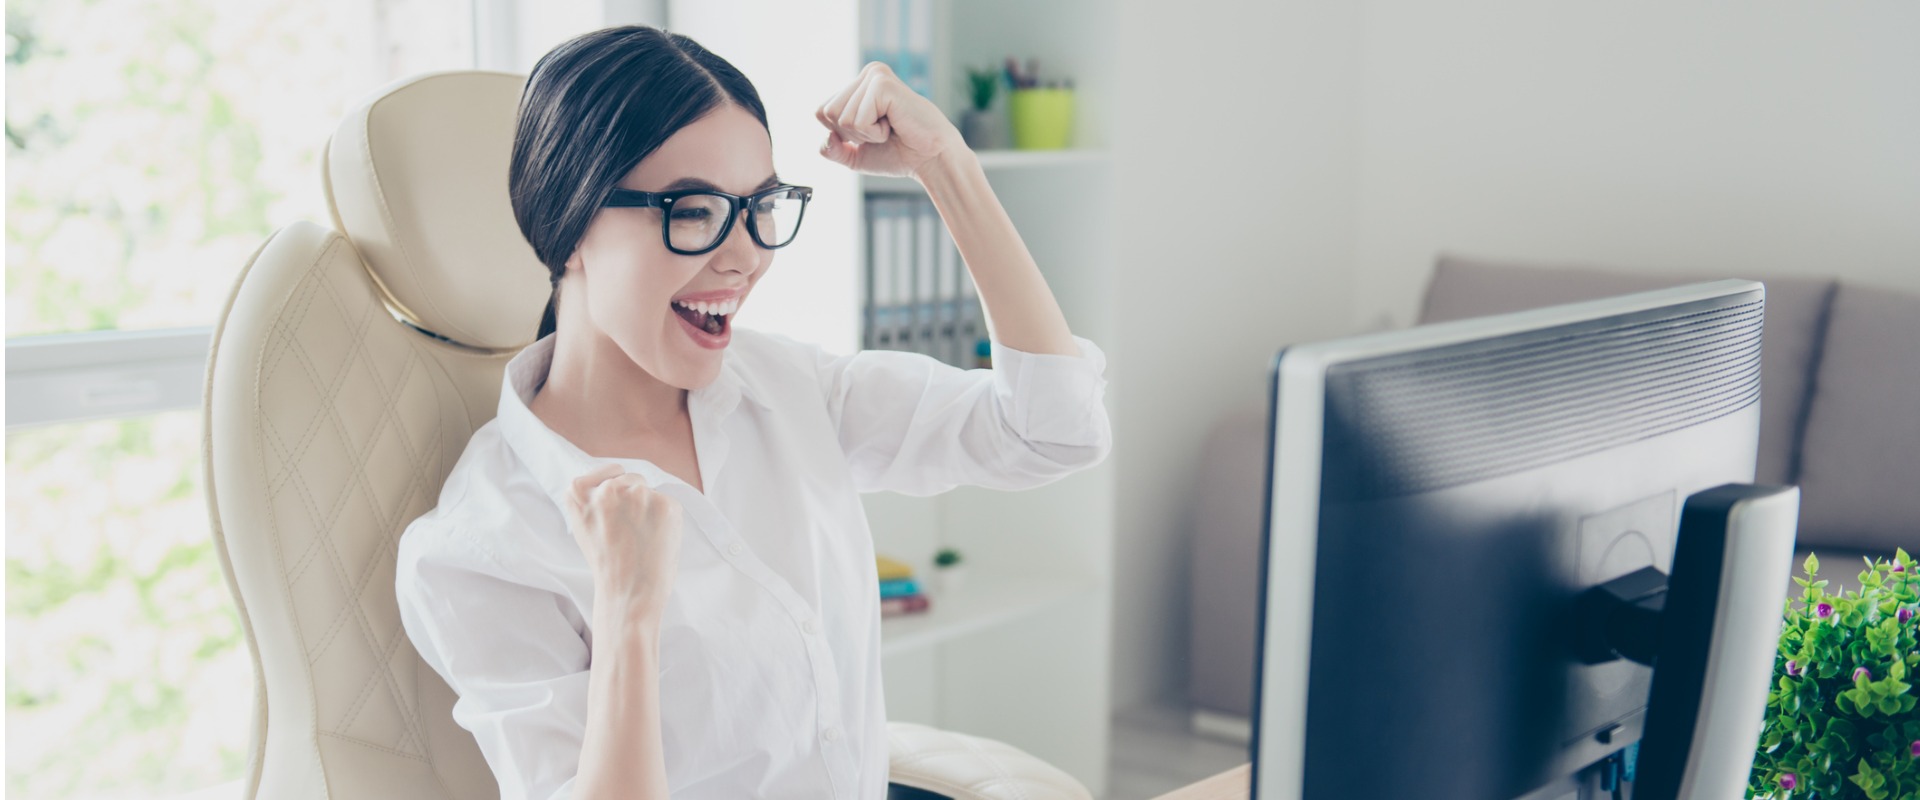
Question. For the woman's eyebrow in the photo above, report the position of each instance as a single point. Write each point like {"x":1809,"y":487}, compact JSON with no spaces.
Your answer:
{"x":702,"y":183}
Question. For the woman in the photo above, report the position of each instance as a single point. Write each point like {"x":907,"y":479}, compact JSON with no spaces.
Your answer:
{"x":675,"y":502}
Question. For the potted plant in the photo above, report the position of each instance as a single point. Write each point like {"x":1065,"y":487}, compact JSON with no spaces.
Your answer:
{"x":979,"y":126}
{"x":948,"y":570}
{"x":1841,"y":719}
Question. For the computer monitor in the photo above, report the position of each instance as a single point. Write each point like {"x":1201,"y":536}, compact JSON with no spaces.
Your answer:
{"x":1470,"y":556}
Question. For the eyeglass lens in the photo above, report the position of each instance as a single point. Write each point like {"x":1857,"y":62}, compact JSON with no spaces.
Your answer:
{"x":697,"y":219}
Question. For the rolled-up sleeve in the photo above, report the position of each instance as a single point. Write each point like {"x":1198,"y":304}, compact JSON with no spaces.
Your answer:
{"x":506,"y":649}
{"x":912,"y":424}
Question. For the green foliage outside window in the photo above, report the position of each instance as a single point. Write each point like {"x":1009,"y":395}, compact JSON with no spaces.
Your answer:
{"x":126,"y":667}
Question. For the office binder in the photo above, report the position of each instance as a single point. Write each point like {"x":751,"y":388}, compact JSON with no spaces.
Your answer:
{"x":972,"y":322}
{"x":885,"y":24}
{"x":863,"y":286}
{"x":902,"y":304}
{"x":947,"y":300}
{"x":899,"y":33}
{"x":880,"y":272}
{"x":926,"y":240}
{"x":917,"y":58}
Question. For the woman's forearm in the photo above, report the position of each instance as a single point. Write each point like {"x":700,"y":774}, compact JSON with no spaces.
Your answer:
{"x":1021,"y":311}
{"x":621,"y":756}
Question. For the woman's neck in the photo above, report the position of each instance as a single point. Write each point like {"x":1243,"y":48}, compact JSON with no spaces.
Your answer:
{"x":597,"y":398}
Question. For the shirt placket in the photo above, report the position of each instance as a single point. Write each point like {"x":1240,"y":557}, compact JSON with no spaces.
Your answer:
{"x":830,"y":735}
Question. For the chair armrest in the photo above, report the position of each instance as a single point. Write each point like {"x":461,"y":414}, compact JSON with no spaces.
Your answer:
{"x":964,"y":767}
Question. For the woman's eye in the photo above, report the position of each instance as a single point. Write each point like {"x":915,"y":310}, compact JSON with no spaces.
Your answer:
{"x":690,"y":214}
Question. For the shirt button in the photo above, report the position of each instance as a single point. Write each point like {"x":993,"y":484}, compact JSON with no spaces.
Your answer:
{"x":736,"y":548}
{"x":832,"y":734}
{"x":809,"y":627}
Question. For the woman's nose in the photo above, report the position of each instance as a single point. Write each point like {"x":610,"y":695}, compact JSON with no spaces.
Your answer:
{"x":739,"y":251}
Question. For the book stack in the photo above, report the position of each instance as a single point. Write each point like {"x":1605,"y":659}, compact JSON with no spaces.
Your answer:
{"x":899,"y":591}
{"x":918,"y":295}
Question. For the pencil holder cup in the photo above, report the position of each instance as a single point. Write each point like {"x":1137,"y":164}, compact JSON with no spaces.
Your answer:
{"x":1042,"y":119}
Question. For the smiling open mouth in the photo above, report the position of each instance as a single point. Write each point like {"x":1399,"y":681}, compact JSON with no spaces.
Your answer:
{"x":709,"y":322}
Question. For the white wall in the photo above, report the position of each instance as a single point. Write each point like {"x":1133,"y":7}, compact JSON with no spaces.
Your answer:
{"x":809,"y":293}
{"x":1347,"y":144}
{"x":1233,"y":134}
{"x":1744,"y":138}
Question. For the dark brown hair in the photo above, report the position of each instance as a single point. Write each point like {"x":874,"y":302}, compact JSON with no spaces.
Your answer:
{"x":592,"y":109}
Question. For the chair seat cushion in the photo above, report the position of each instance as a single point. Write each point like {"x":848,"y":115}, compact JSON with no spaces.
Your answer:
{"x":967,"y":767}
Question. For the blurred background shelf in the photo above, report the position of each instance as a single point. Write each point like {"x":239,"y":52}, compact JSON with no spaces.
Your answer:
{"x":1021,"y":159}
{"x":999,"y":162}
{"x":976,"y":607}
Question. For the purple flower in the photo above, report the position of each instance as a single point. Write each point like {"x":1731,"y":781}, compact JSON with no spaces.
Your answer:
{"x":1793,"y":668}
{"x":1788,"y":781}
{"x":1862,"y":674}
{"x":1916,"y":748}
{"x":1905,"y":616}
{"x":1899,"y":568}
{"x":1823,"y":610}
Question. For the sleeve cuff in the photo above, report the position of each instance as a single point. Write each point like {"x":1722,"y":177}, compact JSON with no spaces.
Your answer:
{"x":1050,"y":397}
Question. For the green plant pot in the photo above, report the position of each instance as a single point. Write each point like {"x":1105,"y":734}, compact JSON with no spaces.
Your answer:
{"x":1042,"y":119}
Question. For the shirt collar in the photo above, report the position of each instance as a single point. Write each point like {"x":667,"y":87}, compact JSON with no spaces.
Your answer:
{"x":554,"y":460}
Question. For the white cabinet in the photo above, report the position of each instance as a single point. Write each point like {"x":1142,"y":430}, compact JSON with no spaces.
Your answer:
{"x":1021,"y":654}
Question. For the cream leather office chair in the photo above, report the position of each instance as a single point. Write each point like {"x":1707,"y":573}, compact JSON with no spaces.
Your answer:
{"x":346,"y":374}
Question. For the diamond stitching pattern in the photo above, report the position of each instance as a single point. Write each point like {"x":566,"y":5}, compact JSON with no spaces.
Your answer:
{"x":326,"y":379}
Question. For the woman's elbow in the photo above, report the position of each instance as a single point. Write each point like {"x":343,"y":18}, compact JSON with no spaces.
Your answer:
{"x":1054,"y":460}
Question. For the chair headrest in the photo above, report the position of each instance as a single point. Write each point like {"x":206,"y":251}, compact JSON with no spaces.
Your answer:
{"x":416,"y":178}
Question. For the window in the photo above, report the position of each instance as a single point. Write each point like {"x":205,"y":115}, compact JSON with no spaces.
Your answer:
{"x":126,"y":660}
{"x":152,"y":145}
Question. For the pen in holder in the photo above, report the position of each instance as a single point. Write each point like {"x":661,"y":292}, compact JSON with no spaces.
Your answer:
{"x":1042,"y":117}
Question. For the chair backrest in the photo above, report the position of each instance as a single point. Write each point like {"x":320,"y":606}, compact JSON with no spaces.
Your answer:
{"x":347,"y":372}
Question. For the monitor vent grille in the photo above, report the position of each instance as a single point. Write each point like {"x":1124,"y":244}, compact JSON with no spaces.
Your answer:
{"x":1401,"y":424}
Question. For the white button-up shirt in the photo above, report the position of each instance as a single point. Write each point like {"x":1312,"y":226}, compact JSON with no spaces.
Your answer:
{"x":770,"y":642}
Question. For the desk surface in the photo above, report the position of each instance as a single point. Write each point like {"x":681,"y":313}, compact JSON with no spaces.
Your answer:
{"x":1229,"y":785}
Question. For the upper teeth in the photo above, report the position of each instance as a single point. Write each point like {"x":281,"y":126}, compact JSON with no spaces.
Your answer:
{"x":725,"y":309}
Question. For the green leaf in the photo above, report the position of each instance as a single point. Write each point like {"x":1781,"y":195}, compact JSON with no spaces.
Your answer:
{"x":1868,"y":778}
{"x":1812,"y":564}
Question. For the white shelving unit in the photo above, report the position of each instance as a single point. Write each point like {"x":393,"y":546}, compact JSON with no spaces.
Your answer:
{"x":1000,"y":162}
{"x":1012,"y":159}
{"x":1021,"y":654}
{"x":972,"y":609}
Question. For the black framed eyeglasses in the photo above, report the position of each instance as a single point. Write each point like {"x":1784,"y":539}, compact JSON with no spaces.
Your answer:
{"x":695,"y":221}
